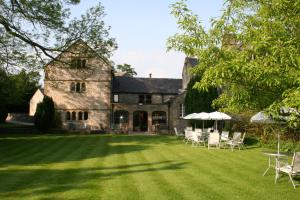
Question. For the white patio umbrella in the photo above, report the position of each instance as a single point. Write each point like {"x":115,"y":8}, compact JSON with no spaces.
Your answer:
{"x":190,"y":116}
{"x":202,"y":116}
{"x":218,"y":116}
{"x":262,"y":117}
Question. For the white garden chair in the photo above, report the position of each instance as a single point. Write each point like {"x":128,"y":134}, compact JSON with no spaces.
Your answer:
{"x":291,"y":170}
{"x":237,"y":140}
{"x":214,"y":140}
{"x":188,"y":136}
{"x":197,"y":138}
{"x":225,"y":136}
{"x":177,"y":133}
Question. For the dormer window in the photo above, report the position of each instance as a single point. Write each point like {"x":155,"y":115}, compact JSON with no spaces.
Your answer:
{"x":78,"y":63}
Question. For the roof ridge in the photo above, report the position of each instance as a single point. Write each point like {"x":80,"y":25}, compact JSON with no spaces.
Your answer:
{"x":154,"y":78}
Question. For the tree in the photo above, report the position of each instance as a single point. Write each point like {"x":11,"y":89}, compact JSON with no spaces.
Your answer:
{"x":4,"y":94}
{"x":24,"y":85}
{"x":27,"y":28}
{"x":251,"y":51}
{"x":126,"y":68}
{"x":44,"y":117}
{"x":199,"y":101}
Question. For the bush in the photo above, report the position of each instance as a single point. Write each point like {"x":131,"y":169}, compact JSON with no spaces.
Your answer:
{"x":3,"y":114}
{"x":44,"y":117}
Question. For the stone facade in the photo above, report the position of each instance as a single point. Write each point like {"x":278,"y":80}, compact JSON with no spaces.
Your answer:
{"x":35,"y":99}
{"x":177,"y":112}
{"x":89,"y":96}
{"x":91,"y":92}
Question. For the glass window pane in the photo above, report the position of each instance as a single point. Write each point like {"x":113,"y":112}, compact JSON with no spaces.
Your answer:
{"x":116,"y":98}
{"x":73,"y":115}
{"x":86,"y":115}
{"x":77,"y":87}
{"x":80,"y":116}
{"x":68,"y":116}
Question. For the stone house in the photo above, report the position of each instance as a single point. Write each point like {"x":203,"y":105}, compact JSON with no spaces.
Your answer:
{"x":89,"y":95}
{"x":35,"y":99}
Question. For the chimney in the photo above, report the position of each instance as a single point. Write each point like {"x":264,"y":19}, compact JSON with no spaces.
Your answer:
{"x":150,"y":75}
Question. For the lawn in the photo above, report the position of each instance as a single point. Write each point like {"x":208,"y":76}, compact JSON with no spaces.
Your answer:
{"x":131,"y":167}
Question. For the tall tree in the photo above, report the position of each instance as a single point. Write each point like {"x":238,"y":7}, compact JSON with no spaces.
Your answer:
{"x":251,"y":51}
{"x":126,"y":68}
{"x":23,"y":85}
{"x":31,"y":32}
{"x":197,"y":101}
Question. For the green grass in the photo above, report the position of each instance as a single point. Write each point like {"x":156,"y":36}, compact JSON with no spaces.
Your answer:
{"x":131,"y":167}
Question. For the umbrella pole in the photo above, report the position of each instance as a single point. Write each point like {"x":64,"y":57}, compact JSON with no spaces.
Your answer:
{"x":278,"y":147}
{"x":202,"y":125}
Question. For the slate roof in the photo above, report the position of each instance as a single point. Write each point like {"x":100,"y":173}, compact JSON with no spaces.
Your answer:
{"x":123,"y":84}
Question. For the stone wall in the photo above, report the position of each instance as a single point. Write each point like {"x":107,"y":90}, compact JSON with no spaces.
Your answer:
{"x":127,"y":98}
{"x":175,"y":118}
{"x":35,"y":99}
{"x":96,"y":99}
{"x":148,"y":108}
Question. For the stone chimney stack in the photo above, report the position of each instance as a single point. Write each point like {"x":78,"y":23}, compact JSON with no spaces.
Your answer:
{"x":150,"y":75}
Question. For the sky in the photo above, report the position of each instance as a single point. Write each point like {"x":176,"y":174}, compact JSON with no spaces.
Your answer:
{"x":141,"y":28}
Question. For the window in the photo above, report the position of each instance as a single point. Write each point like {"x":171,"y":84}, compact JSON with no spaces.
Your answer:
{"x":77,"y":63}
{"x":148,"y":99}
{"x":121,"y":116}
{"x":72,"y":87}
{"x":145,"y":99}
{"x":80,"y":116}
{"x":181,"y":111}
{"x":116,"y":98}
{"x":68,"y":116}
{"x":159,"y":117}
{"x":73,"y":115}
{"x":77,"y":87}
{"x":85,"y":115}
{"x":141,"y":98}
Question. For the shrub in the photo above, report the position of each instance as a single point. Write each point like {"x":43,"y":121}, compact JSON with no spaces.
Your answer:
{"x":44,"y":117}
{"x":3,"y":114}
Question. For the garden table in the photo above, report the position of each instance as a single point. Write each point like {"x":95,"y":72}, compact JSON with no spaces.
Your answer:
{"x":272,"y":156}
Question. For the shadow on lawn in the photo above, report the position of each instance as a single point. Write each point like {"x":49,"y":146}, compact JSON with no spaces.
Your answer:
{"x":48,"y":181}
{"x":45,"y":149}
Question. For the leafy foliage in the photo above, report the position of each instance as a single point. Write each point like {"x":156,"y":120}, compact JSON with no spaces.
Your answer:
{"x":16,"y":90}
{"x":127,"y":68}
{"x":23,"y":85}
{"x":4,"y":94}
{"x":27,"y":28}
{"x":199,"y":101}
{"x":44,"y":117}
{"x":251,"y":51}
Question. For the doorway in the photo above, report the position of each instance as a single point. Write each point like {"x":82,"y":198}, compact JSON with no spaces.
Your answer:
{"x":140,"y":121}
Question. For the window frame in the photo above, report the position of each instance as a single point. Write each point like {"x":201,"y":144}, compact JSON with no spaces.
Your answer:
{"x":116,"y":98}
{"x":68,"y":116}
{"x":181,"y":110}
{"x":73,"y":116}
{"x":85,"y":115}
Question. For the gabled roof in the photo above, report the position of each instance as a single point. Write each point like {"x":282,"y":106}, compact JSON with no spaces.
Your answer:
{"x":77,"y":42}
{"x":125,"y":84}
